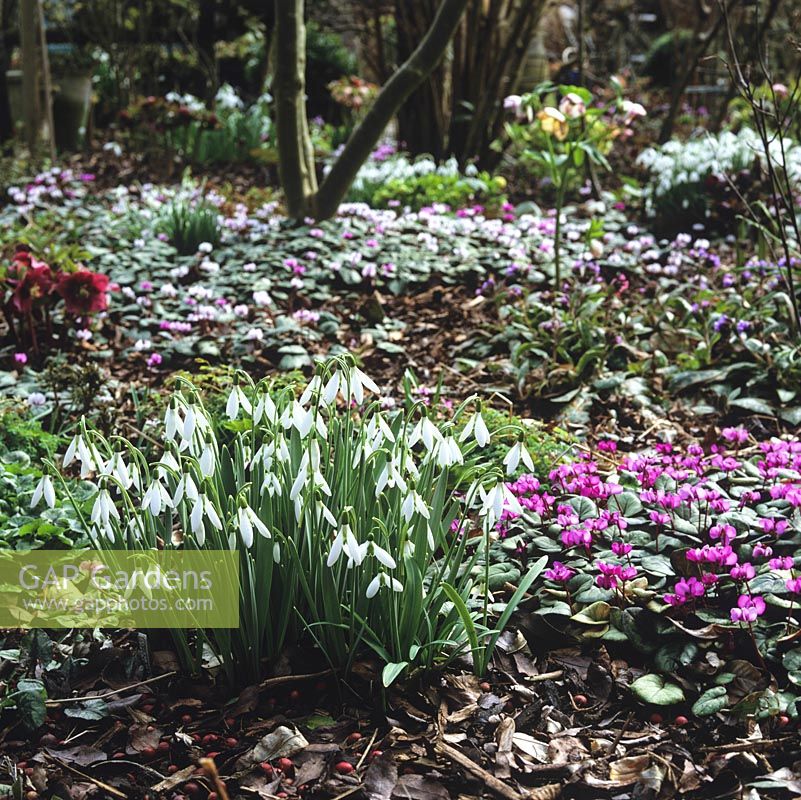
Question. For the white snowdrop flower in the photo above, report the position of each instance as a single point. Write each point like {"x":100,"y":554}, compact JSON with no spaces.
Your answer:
{"x":359,"y":382}
{"x":331,"y":388}
{"x":311,"y":389}
{"x":103,"y":509}
{"x":248,"y":521}
{"x":383,"y":580}
{"x":325,"y":513}
{"x":72,"y":450}
{"x":186,"y":487}
{"x":207,"y":459}
{"x":203,"y":509}
{"x":172,"y":420}
{"x":301,"y":419}
{"x":448,"y":453}
{"x":425,"y":431}
{"x":237,"y":399}
{"x":345,"y":542}
{"x":271,"y":485}
{"x":300,"y":481}
{"x":44,"y":490}
{"x":516,"y":454}
{"x":413,"y":502}
{"x":166,"y":463}
{"x":477,"y":428}
{"x":265,"y":407}
{"x":493,"y":502}
{"x":381,"y":555}
{"x":156,"y":498}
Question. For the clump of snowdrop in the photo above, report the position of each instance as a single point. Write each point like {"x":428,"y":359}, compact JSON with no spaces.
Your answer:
{"x":345,"y":515}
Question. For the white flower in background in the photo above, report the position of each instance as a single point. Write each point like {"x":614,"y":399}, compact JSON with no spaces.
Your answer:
{"x":331,"y":388}
{"x":227,"y":99}
{"x":237,"y":399}
{"x":390,"y":476}
{"x":166,"y":463}
{"x":477,"y":428}
{"x":247,"y":521}
{"x":383,"y":580}
{"x":205,"y":247}
{"x":44,"y":489}
{"x":156,"y":498}
{"x":516,"y":454}
{"x":117,"y":467}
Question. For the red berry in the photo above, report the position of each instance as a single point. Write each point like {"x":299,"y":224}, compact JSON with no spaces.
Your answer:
{"x":213,"y":754}
{"x":118,"y":755}
{"x":484,"y":686}
{"x":681,"y":720}
{"x":294,"y":695}
{"x":196,"y":737}
{"x":344,"y":768}
{"x":164,"y":746}
{"x":191,"y":787}
{"x":186,"y":719}
{"x":210,"y":737}
{"x":354,"y":737}
{"x":148,"y":752}
{"x":376,"y":754}
{"x":212,"y":796}
{"x":266,"y":767}
{"x":172,"y":769}
{"x":230,"y":722}
{"x":22,"y":765}
{"x":580,"y":700}
{"x":284,"y":764}
{"x":657,"y":719}
{"x":231,"y":742}
{"x":783,"y":720}
{"x":282,"y":795}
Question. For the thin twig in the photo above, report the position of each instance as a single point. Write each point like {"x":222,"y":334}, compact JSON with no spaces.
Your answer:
{"x":64,"y":700}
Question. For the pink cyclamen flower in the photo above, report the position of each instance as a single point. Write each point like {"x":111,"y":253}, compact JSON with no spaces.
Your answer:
{"x":742,"y":572}
{"x":793,"y":585}
{"x":782,"y":562}
{"x":748,"y":609}
{"x":21,"y":358}
{"x":735,"y":435}
{"x":559,"y":572}
{"x":621,"y":548}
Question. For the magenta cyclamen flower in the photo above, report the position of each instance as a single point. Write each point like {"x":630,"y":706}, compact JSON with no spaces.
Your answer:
{"x":782,"y":562}
{"x":793,"y":585}
{"x":613,"y":574}
{"x":735,"y":435}
{"x":748,"y":609}
{"x":774,"y":526}
{"x":559,"y":572}
{"x":621,"y":548}
{"x":742,"y":572}
{"x":684,"y":590}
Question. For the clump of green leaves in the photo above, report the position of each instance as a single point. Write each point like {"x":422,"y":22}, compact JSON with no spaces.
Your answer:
{"x":188,"y":223}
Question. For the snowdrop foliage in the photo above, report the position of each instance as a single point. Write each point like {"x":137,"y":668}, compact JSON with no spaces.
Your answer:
{"x":352,"y":522}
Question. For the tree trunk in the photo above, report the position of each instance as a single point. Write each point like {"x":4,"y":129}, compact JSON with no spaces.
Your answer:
{"x":405,"y":80}
{"x":6,"y":122}
{"x":31,"y":100}
{"x":422,"y":123}
{"x":295,"y":153}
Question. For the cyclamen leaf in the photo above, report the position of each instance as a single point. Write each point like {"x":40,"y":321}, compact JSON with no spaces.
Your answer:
{"x":711,"y":701}
{"x":392,"y":671}
{"x":655,"y":690}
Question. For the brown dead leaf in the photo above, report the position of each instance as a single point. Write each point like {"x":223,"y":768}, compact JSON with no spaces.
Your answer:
{"x":419,"y":787}
{"x":380,"y":779}
{"x":626,"y":771}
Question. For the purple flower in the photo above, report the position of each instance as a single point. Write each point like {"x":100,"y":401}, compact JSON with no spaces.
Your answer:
{"x":748,"y":609}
